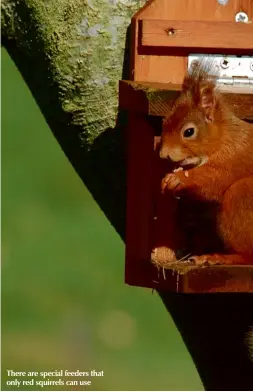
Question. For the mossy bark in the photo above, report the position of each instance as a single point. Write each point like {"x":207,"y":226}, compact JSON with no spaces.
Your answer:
{"x":72,"y":54}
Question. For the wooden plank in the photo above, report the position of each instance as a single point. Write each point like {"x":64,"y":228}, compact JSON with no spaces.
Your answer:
{"x":197,"y":34}
{"x":139,"y":198}
{"x":219,"y":279}
{"x":213,"y":279}
{"x":156,"y":99}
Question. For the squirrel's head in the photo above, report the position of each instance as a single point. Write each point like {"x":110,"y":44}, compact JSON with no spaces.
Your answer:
{"x":192,"y":131}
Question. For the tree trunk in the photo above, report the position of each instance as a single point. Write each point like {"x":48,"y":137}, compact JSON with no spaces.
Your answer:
{"x":72,"y":54}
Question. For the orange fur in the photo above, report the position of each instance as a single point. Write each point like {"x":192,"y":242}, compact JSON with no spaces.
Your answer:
{"x":223,"y":144}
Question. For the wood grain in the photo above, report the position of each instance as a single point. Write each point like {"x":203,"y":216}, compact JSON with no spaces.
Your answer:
{"x":197,"y":34}
{"x":171,"y":67}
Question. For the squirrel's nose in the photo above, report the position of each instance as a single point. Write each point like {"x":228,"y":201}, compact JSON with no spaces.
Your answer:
{"x":175,"y":154}
{"x":164,"y":152}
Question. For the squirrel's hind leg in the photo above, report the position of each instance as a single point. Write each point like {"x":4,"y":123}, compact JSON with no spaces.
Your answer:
{"x":235,"y":225}
{"x":235,"y":221}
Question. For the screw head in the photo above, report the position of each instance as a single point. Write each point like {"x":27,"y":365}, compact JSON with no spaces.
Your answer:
{"x":224,"y":63}
{"x":171,"y":32}
{"x":194,"y":64}
{"x":222,"y":2}
{"x":241,"y":17}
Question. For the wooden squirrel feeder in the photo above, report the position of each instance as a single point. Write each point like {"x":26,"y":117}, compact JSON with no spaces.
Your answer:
{"x":165,"y":36}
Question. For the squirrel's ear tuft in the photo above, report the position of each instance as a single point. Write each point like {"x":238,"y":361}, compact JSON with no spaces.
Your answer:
{"x":201,"y":82}
{"x":187,"y":83}
{"x":207,"y":100}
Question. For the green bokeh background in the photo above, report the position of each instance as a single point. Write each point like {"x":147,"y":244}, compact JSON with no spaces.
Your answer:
{"x":64,"y":301}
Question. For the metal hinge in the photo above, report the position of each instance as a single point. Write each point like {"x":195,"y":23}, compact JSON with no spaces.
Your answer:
{"x":231,"y":70}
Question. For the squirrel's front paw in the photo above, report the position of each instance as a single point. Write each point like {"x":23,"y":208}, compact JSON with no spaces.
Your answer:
{"x":173,"y":181}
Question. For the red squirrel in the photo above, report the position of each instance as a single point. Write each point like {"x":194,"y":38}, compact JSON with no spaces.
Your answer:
{"x":213,"y":152}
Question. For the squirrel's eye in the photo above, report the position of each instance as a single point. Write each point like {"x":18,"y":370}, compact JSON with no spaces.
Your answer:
{"x":189,"y":132}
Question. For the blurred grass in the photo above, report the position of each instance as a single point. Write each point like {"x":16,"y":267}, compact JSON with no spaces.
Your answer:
{"x":64,"y":303}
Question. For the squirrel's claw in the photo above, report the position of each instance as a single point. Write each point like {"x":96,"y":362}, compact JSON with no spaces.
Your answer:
{"x":199,"y":260}
{"x":206,"y":260}
{"x":171,"y":181}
